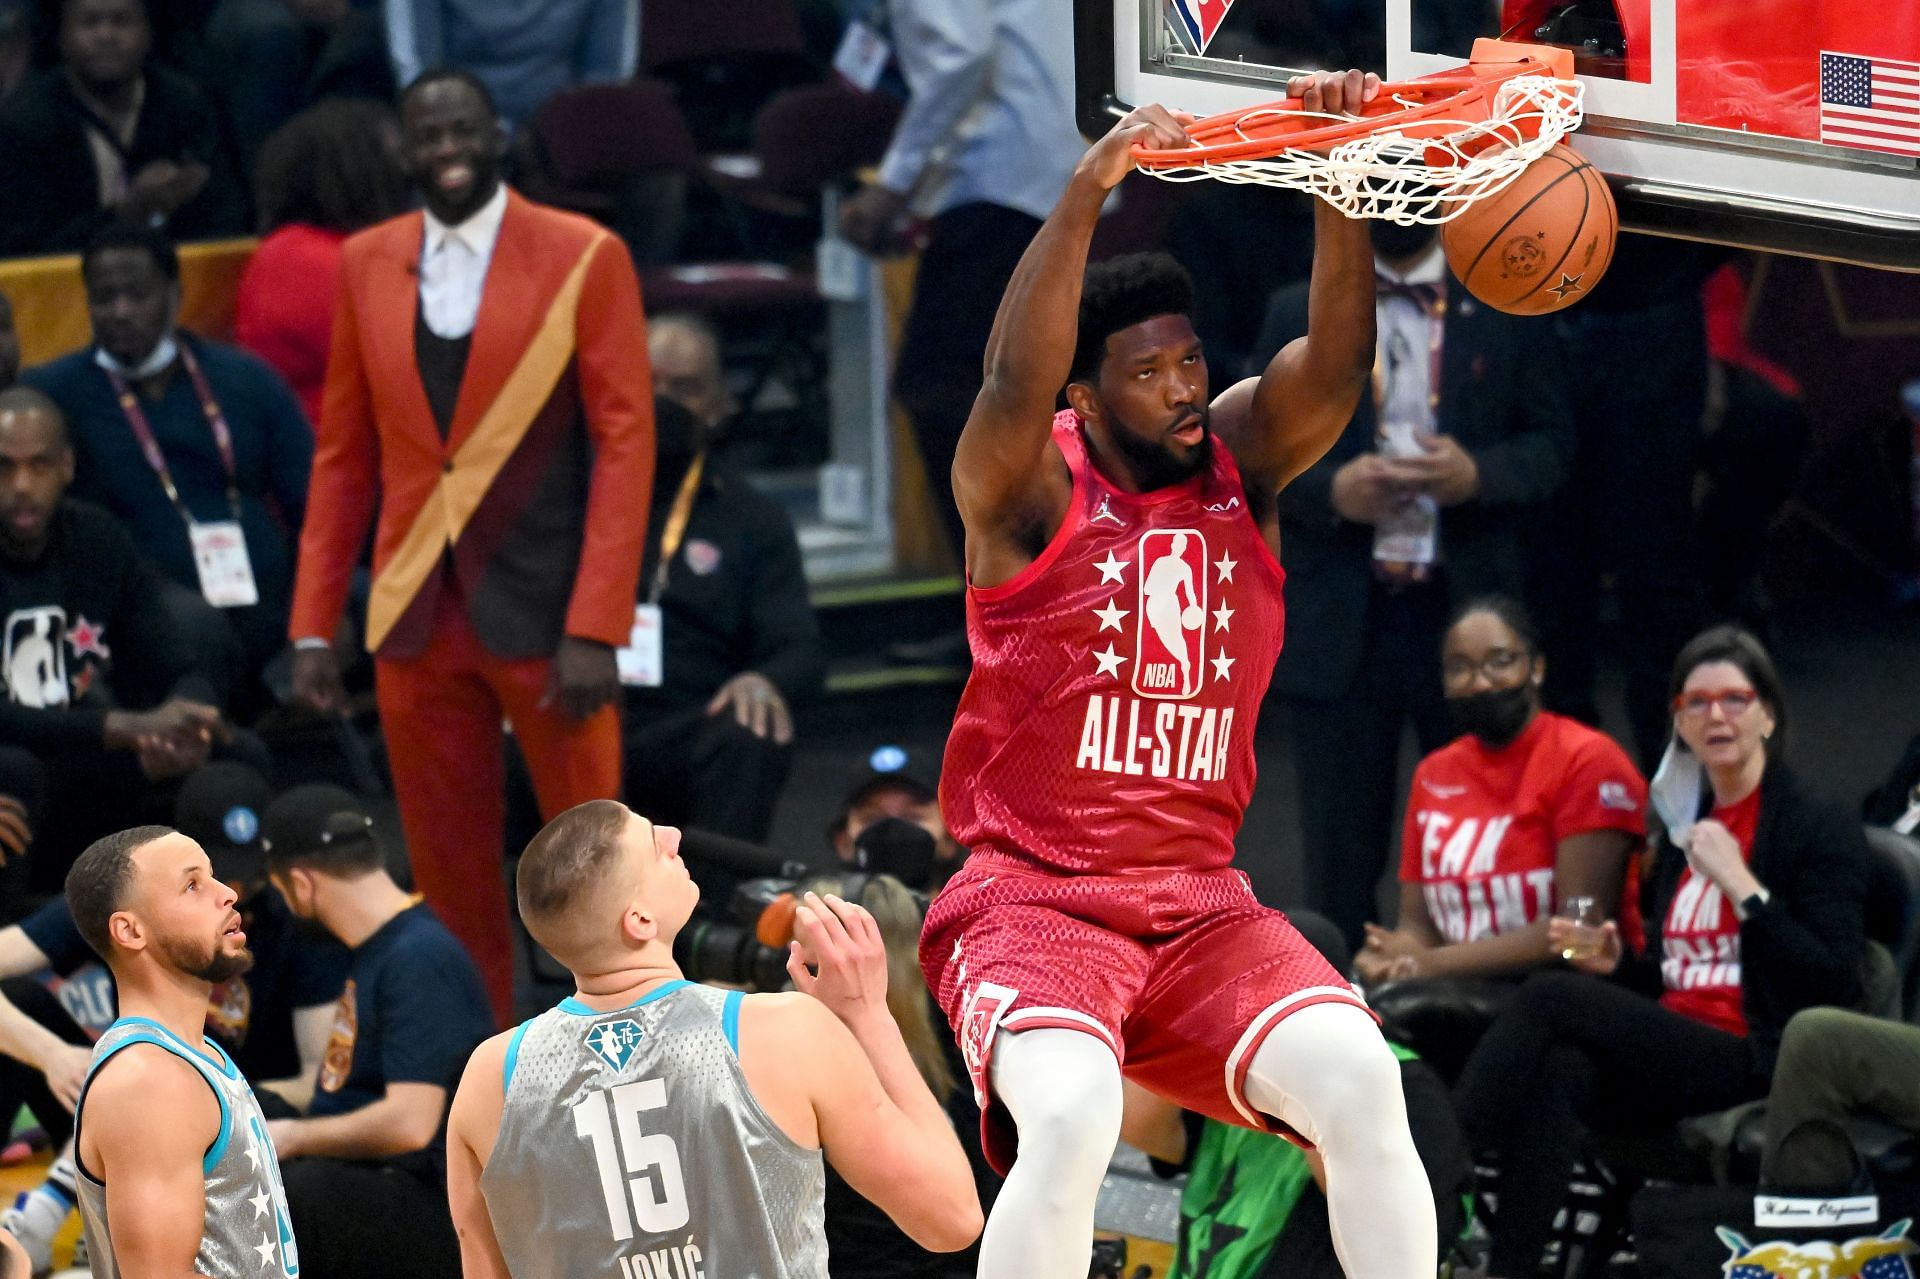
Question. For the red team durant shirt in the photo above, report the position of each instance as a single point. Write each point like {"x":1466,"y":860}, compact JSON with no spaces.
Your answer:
{"x":1700,"y":937}
{"x":1098,"y":768}
{"x":1484,"y":826}
{"x":1108,"y":725}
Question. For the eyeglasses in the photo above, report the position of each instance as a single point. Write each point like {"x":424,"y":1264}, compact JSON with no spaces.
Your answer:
{"x":1733,"y":702}
{"x":1498,"y":666}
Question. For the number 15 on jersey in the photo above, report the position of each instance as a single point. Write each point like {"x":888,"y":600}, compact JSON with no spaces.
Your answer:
{"x":639,"y":1172}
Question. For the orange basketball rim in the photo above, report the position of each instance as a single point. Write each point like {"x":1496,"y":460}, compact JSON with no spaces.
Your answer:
{"x":1432,"y":107}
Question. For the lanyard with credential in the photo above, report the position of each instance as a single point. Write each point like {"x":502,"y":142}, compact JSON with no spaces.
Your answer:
{"x":216,"y":421}
{"x":676,"y":528}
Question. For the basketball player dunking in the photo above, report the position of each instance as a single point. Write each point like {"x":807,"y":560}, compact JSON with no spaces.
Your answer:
{"x":650,"y":1128}
{"x":177,"y":1174}
{"x":1125,"y":615}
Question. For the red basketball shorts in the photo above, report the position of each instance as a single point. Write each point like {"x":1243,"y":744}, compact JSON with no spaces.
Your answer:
{"x":1182,"y":975}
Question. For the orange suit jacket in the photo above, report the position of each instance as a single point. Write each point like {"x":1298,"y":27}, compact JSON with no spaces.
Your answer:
{"x":557,"y":376}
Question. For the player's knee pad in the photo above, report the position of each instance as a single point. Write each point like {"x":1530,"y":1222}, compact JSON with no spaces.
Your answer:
{"x":1327,"y":1073}
{"x":1062,"y":1088}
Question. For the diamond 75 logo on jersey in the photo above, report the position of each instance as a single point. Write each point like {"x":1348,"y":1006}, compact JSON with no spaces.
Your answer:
{"x":614,"y":1041}
{"x":1170,"y":641}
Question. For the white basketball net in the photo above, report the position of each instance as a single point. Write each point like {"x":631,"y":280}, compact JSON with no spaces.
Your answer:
{"x":1428,"y":178}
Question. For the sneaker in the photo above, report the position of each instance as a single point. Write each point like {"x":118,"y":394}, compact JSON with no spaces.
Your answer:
{"x":34,"y":1220}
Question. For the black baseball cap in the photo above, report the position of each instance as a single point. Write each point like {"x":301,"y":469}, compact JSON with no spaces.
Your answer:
{"x":309,"y":818}
{"x":220,"y":807}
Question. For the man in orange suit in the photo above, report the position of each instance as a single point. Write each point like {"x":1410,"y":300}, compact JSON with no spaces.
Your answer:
{"x":489,"y":390}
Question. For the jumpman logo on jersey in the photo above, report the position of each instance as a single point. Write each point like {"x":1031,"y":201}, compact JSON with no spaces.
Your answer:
{"x":614,"y":1042}
{"x":1104,"y":511}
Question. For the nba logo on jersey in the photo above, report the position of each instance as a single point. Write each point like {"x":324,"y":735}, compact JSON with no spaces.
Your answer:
{"x":1170,"y":640}
{"x":614,"y":1041}
{"x":1201,"y":18}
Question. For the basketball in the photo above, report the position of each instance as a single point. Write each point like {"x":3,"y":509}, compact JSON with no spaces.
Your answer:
{"x":1191,"y":618}
{"x":1542,"y":243}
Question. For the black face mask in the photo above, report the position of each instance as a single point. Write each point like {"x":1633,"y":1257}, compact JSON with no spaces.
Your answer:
{"x":1495,"y":716}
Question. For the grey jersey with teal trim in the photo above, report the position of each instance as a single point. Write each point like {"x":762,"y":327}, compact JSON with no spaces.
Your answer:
{"x":631,"y":1146}
{"x":247,"y":1234}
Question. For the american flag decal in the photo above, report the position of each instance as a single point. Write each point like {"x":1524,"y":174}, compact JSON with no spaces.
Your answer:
{"x":1870,"y":102}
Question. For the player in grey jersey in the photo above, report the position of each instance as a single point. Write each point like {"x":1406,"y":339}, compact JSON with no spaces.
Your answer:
{"x":177,"y":1174}
{"x":650,"y":1128}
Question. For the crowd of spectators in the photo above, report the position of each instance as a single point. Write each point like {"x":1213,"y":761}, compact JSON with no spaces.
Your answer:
{"x":1602,"y":951}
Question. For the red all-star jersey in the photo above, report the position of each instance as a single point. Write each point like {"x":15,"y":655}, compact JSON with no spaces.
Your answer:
{"x":1108,"y":725}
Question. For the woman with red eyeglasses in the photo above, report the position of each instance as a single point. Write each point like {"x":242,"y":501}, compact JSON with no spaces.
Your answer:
{"x":1752,"y":912}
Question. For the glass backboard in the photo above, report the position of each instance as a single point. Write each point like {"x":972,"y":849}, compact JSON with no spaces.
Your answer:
{"x":1786,"y":125}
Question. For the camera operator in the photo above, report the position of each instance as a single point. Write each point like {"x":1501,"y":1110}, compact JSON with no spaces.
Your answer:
{"x":744,"y":919}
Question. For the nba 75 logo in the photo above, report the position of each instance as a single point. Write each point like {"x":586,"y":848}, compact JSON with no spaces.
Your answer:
{"x":1170,"y":642}
{"x":1881,"y":1256}
{"x":614,"y":1041}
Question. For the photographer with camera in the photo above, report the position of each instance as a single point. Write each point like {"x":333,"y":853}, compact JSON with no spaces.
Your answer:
{"x":759,"y":1085}
{"x":740,"y":929}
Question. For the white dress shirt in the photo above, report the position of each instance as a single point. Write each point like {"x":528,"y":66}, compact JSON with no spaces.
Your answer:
{"x":990,"y":118}
{"x":1405,"y":351}
{"x":453,"y":267}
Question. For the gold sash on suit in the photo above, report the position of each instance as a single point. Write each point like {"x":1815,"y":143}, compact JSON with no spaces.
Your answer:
{"x":474,"y":465}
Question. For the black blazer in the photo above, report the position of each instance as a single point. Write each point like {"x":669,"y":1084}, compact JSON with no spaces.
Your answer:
{"x":53,"y":198}
{"x":1803,"y":948}
{"x":1502,"y":396}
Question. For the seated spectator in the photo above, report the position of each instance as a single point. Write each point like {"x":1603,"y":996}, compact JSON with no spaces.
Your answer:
{"x":1835,"y":1064}
{"x":273,"y":1020}
{"x":197,"y":446}
{"x":365,"y":1171}
{"x":522,"y":63}
{"x":1255,"y":1205}
{"x":9,"y":344}
{"x":895,"y":795}
{"x":107,"y":134}
{"x":101,"y":695}
{"x":281,"y":56}
{"x":1525,"y":810}
{"x":684,"y":352}
{"x":708,"y":728}
{"x":1753,"y":912}
{"x":332,"y":170}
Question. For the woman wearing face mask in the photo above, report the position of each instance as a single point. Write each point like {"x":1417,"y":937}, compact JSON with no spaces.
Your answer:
{"x":1752,"y":912}
{"x":1526,"y":810}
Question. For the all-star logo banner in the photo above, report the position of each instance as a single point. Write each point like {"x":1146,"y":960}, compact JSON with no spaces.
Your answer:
{"x":1881,"y":1256}
{"x":1200,"y":19}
